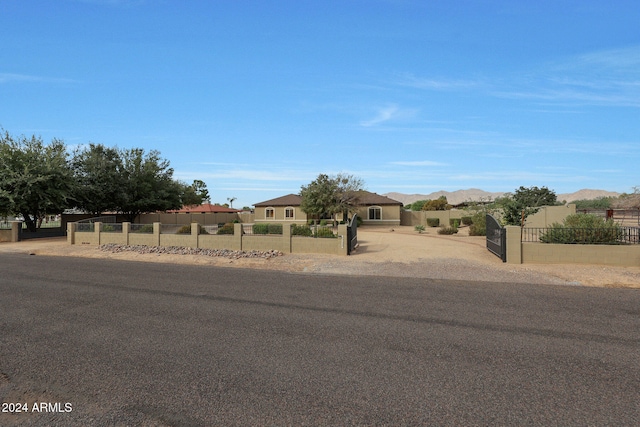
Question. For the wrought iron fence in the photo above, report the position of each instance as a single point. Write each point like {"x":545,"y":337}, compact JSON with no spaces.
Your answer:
{"x":85,"y":227}
{"x":111,"y":228}
{"x":141,"y":228}
{"x":615,"y":235}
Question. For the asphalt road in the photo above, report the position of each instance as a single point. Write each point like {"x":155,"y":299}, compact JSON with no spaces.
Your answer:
{"x":103,"y":342}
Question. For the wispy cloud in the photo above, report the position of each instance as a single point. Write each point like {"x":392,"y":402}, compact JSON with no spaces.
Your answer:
{"x":26,"y":78}
{"x":418,"y":163}
{"x":426,"y":83}
{"x":602,"y":78}
{"x":388,"y":113}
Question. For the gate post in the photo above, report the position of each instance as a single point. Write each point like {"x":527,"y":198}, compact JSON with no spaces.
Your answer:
{"x":514,"y":244}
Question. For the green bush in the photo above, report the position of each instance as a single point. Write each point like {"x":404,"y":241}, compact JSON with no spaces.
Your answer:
{"x":107,"y":228}
{"x":260,"y":228}
{"x":323,"y":222}
{"x":447,"y":230}
{"x":225,"y":229}
{"x":147,"y":228}
{"x":325,"y":232}
{"x":583,"y":229}
{"x":301,"y":230}
{"x":479,"y":224}
{"x":358,"y":221}
{"x":433,"y":222}
{"x":274,"y":228}
{"x":185,"y":229}
{"x":419,"y":228}
{"x":467,"y":220}
{"x":454,"y":222}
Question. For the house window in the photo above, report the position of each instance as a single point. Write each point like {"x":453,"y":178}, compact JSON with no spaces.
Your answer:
{"x":288,"y":213}
{"x":375,"y":213}
{"x":269,"y":213}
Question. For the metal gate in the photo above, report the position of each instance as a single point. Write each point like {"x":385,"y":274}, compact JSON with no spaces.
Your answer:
{"x":352,"y":234}
{"x":496,"y":238}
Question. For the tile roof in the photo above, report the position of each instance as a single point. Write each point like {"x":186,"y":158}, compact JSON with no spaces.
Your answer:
{"x":366,"y":198}
{"x":205,"y":207}
{"x":288,"y":200}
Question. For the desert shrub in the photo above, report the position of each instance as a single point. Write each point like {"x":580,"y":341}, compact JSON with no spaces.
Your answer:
{"x":260,"y":228}
{"x":419,"y":228}
{"x":583,"y":229}
{"x":323,"y":222}
{"x":433,"y":222}
{"x":325,"y":232}
{"x":479,"y":224}
{"x":274,"y":228}
{"x":358,"y":221}
{"x":147,"y":228}
{"x":202,"y":230}
{"x":226,"y":229}
{"x":301,"y":230}
{"x":447,"y":230}
{"x":107,"y":228}
{"x":185,"y":229}
{"x":467,"y":220}
{"x":454,"y":222}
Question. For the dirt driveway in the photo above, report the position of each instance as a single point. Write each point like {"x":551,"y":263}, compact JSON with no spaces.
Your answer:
{"x":397,"y":252}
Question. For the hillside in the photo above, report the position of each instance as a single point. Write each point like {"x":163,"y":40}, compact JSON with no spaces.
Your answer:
{"x":475,"y":195}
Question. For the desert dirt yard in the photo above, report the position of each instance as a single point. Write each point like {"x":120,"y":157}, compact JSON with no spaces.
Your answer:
{"x":382,"y":251}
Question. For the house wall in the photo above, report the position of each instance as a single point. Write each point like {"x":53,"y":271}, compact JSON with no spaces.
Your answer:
{"x":299,"y":217}
{"x":390,"y":215}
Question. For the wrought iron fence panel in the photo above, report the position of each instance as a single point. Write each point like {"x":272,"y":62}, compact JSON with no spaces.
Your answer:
{"x":587,"y":236}
{"x":141,"y":228}
{"x":111,"y":228}
{"x":85,"y":227}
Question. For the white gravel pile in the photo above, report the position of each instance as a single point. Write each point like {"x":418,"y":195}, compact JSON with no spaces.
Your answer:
{"x":179,"y":250}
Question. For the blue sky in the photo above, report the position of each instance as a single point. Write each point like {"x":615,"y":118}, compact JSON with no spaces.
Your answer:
{"x":257,"y":98}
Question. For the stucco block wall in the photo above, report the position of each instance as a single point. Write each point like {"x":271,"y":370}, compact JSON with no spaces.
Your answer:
{"x":6,"y":236}
{"x":319,"y":245}
{"x":413,"y":218}
{"x":87,"y":238}
{"x":144,"y":239}
{"x":548,"y":215}
{"x":223,"y":241}
{"x":544,"y":253}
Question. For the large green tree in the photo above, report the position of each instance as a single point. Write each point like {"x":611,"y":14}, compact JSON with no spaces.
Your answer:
{"x":99,"y":172}
{"x":524,"y":202}
{"x":148,"y":184}
{"x":329,"y":195}
{"x":35,"y":178}
{"x":194,"y":194}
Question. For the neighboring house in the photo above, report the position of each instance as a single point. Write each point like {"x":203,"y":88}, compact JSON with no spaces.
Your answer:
{"x":374,"y":210}
{"x":204,"y":208}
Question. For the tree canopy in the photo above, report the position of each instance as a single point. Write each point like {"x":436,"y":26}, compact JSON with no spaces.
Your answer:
{"x":524,"y":202}
{"x":98,"y":171}
{"x":35,"y":178}
{"x":328,"y":195}
{"x":148,"y":184}
{"x":38,"y":179}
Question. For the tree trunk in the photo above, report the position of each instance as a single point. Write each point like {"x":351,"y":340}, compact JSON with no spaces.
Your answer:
{"x":31,"y":224}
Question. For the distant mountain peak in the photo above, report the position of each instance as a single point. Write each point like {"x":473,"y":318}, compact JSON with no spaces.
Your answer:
{"x":476,"y":195}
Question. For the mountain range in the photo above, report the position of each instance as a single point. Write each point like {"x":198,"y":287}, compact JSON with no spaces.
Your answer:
{"x":476,"y":195}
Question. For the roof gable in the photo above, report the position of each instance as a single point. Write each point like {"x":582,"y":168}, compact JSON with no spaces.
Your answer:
{"x":288,"y":200}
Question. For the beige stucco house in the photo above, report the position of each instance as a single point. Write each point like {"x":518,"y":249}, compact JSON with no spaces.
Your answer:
{"x":374,"y":210}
